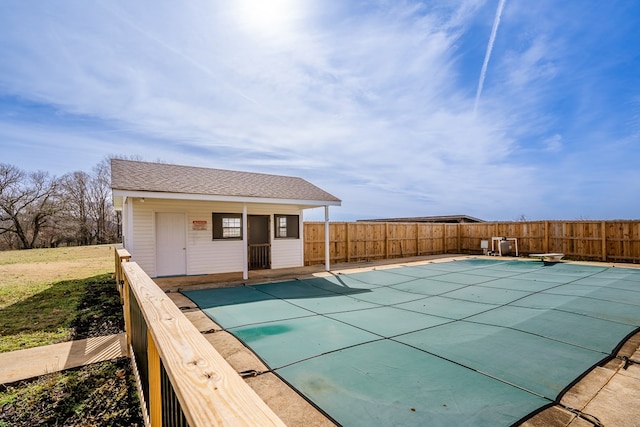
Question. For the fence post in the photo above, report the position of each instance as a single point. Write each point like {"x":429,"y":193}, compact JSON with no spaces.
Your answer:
{"x":445,"y":249}
{"x":386,"y":240}
{"x":604,"y":240}
{"x":122,"y":283}
{"x":348,"y":248}
{"x":155,"y":386}
{"x":545,"y":242}
{"x":118,"y":269}
{"x":126,"y":307}
{"x":122,"y":255}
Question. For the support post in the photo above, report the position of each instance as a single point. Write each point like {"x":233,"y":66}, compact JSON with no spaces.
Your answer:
{"x":126,"y":307}
{"x":155,"y":386}
{"x":348,"y":248}
{"x":445,"y":249}
{"x":386,"y":240}
{"x":122,"y":255}
{"x":118,"y":271}
{"x":245,"y":244}
{"x":327,"y":251}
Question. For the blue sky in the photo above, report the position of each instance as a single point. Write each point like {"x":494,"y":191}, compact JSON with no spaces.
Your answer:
{"x":374,"y":101}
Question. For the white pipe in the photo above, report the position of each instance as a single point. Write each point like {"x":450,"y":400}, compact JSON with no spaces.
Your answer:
{"x":327,"y":257}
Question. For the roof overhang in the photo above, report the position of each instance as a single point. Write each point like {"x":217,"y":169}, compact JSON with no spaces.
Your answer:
{"x":120,"y":195}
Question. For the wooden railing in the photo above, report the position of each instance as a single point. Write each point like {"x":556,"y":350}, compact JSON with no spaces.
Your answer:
{"x":184,"y":381}
{"x":259,"y":256}
{"x":610,"y":241}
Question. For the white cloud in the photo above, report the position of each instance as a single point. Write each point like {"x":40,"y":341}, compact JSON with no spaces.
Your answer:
{"x":553,"y":143}
{"x":369,"y":100}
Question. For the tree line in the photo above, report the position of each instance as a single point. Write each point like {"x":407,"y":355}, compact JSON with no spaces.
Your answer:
{"x":39,"y":210}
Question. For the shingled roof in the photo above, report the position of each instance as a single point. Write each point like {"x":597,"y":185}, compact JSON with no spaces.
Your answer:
{"x":434,"y":219}
{"x":134,"y":176}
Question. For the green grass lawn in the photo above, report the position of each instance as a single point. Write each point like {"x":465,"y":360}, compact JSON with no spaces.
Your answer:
{"x":27,"y":272}
{"x":42,"y":293}
{"x":60,"y":312}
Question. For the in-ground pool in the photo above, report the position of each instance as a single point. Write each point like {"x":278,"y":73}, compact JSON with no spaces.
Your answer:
{"x":472,"y":342}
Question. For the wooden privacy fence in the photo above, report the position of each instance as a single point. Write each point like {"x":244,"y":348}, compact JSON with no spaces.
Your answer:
{"x":184,"y":381}
{"x":611,"y":241}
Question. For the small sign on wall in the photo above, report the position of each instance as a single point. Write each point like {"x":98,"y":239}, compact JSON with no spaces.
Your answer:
{"x":198,"y":225}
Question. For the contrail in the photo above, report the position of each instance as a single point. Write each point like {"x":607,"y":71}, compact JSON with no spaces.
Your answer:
{"x":487,"y":55}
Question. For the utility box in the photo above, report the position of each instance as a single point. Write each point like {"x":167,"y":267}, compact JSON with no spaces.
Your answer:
{"x":505,"y":248}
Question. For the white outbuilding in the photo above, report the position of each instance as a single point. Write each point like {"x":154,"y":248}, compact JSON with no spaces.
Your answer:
{"x":183,"y":220}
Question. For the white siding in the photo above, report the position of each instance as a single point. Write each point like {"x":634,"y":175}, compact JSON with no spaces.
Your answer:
{"x":286,"y":253}
{"x":205,"y":255}
{"x":144,"y":239}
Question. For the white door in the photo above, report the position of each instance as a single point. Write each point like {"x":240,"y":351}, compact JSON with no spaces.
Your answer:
{"x":171,"y":244}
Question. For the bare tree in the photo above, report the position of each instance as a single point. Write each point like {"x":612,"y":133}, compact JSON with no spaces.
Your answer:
{"x":37,"y":210}
{"x":113,"y":218}
{"x":27,"y":203}
{"x":102,"y":210}
{"x":75,"y":216}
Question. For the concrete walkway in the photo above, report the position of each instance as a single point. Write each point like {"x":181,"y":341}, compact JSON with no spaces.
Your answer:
{"x":32,"y":362}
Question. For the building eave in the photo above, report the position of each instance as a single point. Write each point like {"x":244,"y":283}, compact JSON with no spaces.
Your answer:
{"x":120,"y":195}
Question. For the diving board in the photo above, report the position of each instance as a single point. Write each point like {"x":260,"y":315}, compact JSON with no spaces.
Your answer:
{"x":551,"y":257}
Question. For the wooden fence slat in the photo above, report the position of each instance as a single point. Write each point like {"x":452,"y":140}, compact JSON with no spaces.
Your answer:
{"x":586,"y":240}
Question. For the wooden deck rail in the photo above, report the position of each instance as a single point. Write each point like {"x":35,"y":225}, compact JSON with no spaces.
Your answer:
{"x":259,"y":256}
{"x":184,"y":380}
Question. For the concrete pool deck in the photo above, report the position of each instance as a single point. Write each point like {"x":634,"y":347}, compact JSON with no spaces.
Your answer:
{"x":609,"y":395}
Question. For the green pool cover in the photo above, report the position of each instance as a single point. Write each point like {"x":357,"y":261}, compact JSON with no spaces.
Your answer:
{"x":464,"y":343}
